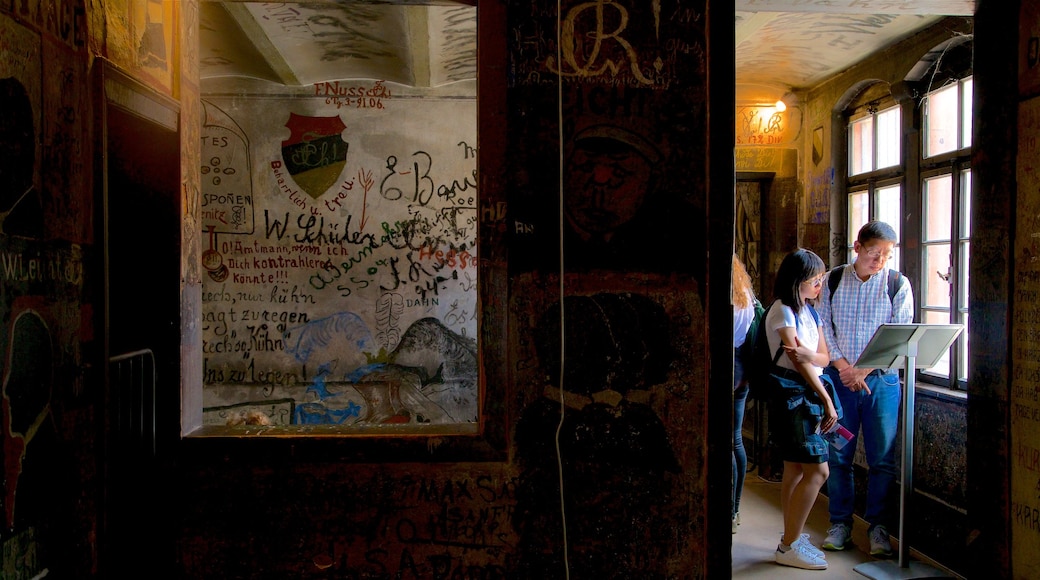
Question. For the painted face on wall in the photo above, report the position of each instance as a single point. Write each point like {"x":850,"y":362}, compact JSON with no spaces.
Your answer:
{"x":606,"y":183}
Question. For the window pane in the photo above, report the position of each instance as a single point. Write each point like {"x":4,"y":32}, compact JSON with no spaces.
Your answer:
{"x":940,"y":121}
{"x":942,"y":367}
{"x":936,"y":270}
{"x":963,"y":341}
{"x":966,"y":203}
{"x":888,"y":205}
{"x":966,"y":99}
{"x":888,"y":154}
{"x":861,"y":146}
{"x":938,"y":208}
{"x":859,"y":213}
{"x":962,"y":278}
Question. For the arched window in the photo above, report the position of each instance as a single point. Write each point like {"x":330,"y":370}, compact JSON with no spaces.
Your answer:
{"x":875,"y":164}
{"x":945,"y":109}
{"x":909,"y":164}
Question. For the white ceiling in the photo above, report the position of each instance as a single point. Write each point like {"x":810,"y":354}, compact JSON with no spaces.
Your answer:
{"x":780,"y":44}
{"x":783,"y":45}
{"x":300,"y":44}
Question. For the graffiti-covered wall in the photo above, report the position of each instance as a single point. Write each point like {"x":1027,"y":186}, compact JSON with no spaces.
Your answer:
{"x":48,"y":350}
{"x":339,"y":229}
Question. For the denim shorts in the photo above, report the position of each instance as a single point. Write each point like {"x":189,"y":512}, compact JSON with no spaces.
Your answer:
{"x":795,"y":417}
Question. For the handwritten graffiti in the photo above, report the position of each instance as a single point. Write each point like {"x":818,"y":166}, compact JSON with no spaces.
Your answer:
{"x":227,"y":190}
{"x":760,"y":126}
{"x":411,"y":182}
{"x":581,"y":60}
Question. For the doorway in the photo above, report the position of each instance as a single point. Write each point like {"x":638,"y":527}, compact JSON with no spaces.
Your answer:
{"x":139,"y":219}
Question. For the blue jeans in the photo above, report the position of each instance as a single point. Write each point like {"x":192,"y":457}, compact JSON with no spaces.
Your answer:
{"x":739,"y":454}
{"x":878,"y":415}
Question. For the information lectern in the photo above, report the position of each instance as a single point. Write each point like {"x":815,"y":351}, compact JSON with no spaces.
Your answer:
{"x":892,"y":344}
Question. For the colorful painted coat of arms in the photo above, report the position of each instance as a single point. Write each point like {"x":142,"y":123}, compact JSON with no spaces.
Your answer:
{"x":315,"y":152}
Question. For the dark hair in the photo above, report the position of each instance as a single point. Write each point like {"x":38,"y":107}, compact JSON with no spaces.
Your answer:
{"x":876,"y":230}
{"x":797,"y":267}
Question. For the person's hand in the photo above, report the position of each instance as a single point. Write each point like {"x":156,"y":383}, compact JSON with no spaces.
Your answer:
{"x":830,"y":417}
{"x":799,"y":353}
{"x":854,"y":378}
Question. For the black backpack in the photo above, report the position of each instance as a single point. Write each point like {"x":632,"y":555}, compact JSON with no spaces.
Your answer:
{"x":747,"y":349}
{"x":759,"y":364}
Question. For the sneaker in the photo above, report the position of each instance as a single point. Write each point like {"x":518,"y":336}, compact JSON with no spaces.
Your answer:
{"x":880,"y":545}
{"x":804,"y":541}
{"x":799,"y":556}
{"x":837,"y":536}
{"x":735,"y":524}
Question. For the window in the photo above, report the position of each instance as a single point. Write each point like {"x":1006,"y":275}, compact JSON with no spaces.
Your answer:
{"x":877,"y":188}
{"x":874,"y":141}
{"x":946,"y":227}
{"x":875,"y":171}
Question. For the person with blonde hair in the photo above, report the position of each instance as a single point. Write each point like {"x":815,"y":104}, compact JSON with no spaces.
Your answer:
{"x":743,"y":298}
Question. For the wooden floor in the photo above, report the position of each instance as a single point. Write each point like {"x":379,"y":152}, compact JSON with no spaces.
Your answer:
{"x":761,"y":527}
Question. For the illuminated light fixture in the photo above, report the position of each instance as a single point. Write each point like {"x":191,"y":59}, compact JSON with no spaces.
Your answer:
{"x":780,"y":106}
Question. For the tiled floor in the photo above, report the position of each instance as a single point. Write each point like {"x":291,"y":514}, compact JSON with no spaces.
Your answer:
{"x":761,"y":527}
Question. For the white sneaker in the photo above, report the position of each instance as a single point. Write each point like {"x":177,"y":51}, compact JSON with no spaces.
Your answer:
{"x":799,"y":556}
{"x":804,"y":541}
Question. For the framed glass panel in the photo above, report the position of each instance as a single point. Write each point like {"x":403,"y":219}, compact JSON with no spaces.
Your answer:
{"x":936,"y":291}
{"x":938,"y":208}
{"x":963,"y":275}
{"x":889,"y":152}
{"x":941,"y":121}
{"x":889,"y":205}
{"x":861,"y":146}
{"x":963,"y":339}
{"x":966,"y":99}
{"x":859,"y":214}
{"x":889,"y":208}
{"x":966,"y":204}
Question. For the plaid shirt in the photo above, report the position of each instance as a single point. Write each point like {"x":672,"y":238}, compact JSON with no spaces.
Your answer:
{"x":858,"y":308}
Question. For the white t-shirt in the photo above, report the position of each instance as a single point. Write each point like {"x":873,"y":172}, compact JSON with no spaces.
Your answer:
{"x":808,"y":333}
{"x":742,"y":318}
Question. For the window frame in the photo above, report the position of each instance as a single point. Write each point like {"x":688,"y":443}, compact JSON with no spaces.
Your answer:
{"x":955,"y":163}
{"x":876,"y":179}
{"x":912,"y":172}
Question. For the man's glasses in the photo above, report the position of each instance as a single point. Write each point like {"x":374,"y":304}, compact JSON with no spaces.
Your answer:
{"x":876,"y":253}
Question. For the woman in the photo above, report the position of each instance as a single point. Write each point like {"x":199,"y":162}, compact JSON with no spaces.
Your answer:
{"x":802,"y":403}
{"x":743,"y":299}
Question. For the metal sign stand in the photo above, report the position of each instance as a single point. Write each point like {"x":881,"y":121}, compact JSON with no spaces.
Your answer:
{"x":890,"y":344}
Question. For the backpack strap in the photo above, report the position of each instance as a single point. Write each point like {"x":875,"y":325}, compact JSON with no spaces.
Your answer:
{"x":894,"y":277}
{"x":833,"y":279}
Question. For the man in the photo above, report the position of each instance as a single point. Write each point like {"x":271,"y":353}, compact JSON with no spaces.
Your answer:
{"x":862,"y":301}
